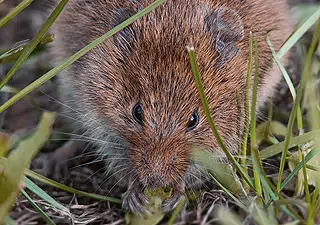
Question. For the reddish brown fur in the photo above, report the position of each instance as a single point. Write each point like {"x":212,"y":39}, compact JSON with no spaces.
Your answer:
{"x":157,"y":74}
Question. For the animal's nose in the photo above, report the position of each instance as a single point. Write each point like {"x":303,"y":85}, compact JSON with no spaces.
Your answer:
{"x":155,"y":180}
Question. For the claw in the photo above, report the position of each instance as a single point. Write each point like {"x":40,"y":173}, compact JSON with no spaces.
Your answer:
{"x":135,"y":201}
{"x":171,"y":203}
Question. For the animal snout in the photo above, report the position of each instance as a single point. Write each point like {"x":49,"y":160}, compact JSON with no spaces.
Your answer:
{"x":156,"y":170}
{"x":155,"y":180}
{"x":159,"y":167}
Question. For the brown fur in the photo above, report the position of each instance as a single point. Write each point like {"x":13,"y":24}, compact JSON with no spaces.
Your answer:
{"x":153,"y":69}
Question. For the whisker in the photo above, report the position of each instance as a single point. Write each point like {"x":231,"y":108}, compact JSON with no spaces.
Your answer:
{"x":88,"y":138}
{"x":94,"y":154}
{"x":85,"y":164}
{"x":96,"y":172}
{"x":103,"y":168}
{"x":119,"y":181}
{"x":59,"y":102}
{"x":119,"y":171}
{"x":199,"y":179}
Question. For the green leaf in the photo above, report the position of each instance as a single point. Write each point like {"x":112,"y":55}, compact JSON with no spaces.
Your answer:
{"x":266,"y":130}
{"x":5,"y":143}
{"x":297,"y":202}
{"x":19,"y":159}
{"x":236,"y":200}
{"x":15,"y":11}
{"x":312,"y":175}
{"x":257,"y":165}
{"x":260,"y":215}
{"x":226,"y":217}
{"x":288,"y":81}
{"x":293,"y":223}
{"x":282,"y":69}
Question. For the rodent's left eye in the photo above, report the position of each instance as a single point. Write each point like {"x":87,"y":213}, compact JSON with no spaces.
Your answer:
{"x":137,"y":113}
{"x":193,"y":121}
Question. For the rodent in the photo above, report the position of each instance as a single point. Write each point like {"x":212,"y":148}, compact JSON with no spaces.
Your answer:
{"x":136,"y":91}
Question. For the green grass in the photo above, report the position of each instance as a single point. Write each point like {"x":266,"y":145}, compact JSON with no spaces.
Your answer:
{"x":267,"y":197}
{"x":34,"y":42}
{"x":15,"y":12}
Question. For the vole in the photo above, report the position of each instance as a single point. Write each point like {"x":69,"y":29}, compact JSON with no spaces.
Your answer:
{"x":136,"y":93}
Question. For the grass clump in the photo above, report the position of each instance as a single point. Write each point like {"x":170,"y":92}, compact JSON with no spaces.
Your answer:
{"x":267,"y":195}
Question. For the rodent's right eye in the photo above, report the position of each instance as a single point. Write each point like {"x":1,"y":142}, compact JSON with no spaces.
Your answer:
{"x":137,"y":113}
{"x":193,"y":121}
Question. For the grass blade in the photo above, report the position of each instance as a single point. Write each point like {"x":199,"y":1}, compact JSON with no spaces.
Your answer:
{"x":176,"y":211}
{"x":238,"y":202}
{"x":230,"y":157}
{"x":243,"y":152}
{"x":288,"y":81}
{"x":34,"y":42}
{"x":69,"y":189}
{"x":15,"y":11}
{"x":294,"y":38}
{"x":254,"y":146}
{"x":15,"y":53}
{"x":298,"y":168}
{"x":77,"y":55}
{"x":265,"y":183}
{"x":305,"y":178}
{"x":37,"y":208}
{"x":275,"y":149}
{"x":282,"y":69}
{"x":43,"y":195}
{"x":293,"y":113}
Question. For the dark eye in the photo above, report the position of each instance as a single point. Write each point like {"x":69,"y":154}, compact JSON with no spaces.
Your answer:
{"x":137,"y":113}
{"x":193,"y":121}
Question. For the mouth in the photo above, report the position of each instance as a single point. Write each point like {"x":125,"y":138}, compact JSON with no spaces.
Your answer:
{"x":139,"y":198}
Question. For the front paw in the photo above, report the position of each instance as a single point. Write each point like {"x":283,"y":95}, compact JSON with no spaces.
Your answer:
{"x":135,"y":202}
{"x":147,"y":203}
{"x":171,"y":203}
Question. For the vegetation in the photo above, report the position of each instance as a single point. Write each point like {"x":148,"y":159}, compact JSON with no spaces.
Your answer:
{"x":261,"y":197}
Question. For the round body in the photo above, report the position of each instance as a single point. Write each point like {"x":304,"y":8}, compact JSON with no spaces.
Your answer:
{"x":136,"y":93}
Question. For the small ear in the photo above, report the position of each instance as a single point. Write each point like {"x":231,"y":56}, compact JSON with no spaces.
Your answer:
{"x":124,"y":39}
{"x":225,"y":27}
